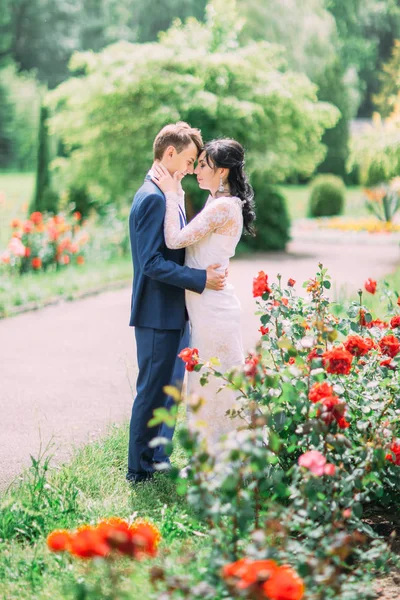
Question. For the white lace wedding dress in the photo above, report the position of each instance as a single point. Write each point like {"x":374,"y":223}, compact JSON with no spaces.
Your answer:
{"x":211,"y":238}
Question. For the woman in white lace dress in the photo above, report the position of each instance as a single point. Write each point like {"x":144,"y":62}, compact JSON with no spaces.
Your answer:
{"x":211,"y":238}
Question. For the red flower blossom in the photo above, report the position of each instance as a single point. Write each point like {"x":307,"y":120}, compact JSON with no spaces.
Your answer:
{"x":337,"y":361}
{"x":358,"y":346}
{"x":390,"y":345}
{"x":342,"y":423}
{"x":16,"y":223}
{"x":145,"y":538}
{"x":28,"y":227}
{"x":389,"y":364}
{"x":377,"y":323}
{"x":190,"y":356}
{"x":58,"y":540}
{"x":245,"y":572}
{"x":260,"y":285}
{"x":332,"y":409}
{"x":28,"y":252}
{"x":319,"y":391}
{"x":263,"y":330}
{"x":36,"y":262}
{"x":285,"y":301}
{"x":313,"y":355}
{"x":394,"y":456}
{"x":398,"y":301}
{"x":291,"y":282}
{"x":395,"y":322}
{"x":88,"y":543}
{"x":291,"y":360}
{"x":284,"y":584}
{"x":36,"y":218}
{"x":370,"y":286}
{"x":77,"y":215}
{"x":250,"y":366}
{"x":80,"y":260}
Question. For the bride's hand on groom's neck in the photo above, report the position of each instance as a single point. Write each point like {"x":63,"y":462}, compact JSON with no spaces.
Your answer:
{"x":165,"y":181}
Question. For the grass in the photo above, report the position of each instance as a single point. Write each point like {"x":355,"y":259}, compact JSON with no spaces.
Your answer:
{"x":92,"y":486}
{"x":16,"y":191}
{"x":42,"y":288}
{"x":298,"y":196}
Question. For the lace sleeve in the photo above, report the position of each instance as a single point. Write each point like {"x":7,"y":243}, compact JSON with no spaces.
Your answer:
{"x":213,"y":216}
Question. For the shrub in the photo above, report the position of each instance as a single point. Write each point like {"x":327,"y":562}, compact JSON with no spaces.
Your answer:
{"x":43,"y":242}
{"x":319,"y":448}
{"x":272,"y":219}
{"x":327,"y":196}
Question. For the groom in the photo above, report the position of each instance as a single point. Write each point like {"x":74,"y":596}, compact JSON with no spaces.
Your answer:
{"x":158,"y":310}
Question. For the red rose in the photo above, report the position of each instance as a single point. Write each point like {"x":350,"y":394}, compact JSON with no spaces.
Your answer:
{"x":285,"y":301}
{"x":337,"y":361}
{"x":395,"y":322}
{"x":36,"y":217}
{"x":284,"y":584}
{"x":343,"y":424}
{"x":313,"y":355}
{"x":389,"y":364}
{"x":358,"y":346}
{"x":395,"y":450}
{"x":28,"y":252}
{"x":390,"y":345}
{"x":263,"y":330}
{"x":377,"y":323}
{"x":260,"y":285}
{"x":250,"y":366}
{"x":36,"y":263}
{"x":291,"y":282}
{"x":370,"y":286}
{"x":190,"y":356}
{"x":319,"y":391}
{"x":77,"y":215}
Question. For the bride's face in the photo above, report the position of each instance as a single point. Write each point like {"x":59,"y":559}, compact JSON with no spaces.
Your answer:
{"x":207,"y":177}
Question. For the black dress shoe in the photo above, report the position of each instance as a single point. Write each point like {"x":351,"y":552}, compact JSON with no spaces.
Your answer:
{"x":134,"y":478}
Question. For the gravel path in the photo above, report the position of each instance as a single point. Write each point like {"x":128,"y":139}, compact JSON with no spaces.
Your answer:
{"x":66,"y":371}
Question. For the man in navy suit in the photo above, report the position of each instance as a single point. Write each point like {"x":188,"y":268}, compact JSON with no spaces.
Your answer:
{"x":158,"y":310}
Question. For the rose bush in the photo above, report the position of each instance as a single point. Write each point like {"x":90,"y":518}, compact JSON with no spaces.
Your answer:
{"x":317,"y":457}
{"x":42,"y":242}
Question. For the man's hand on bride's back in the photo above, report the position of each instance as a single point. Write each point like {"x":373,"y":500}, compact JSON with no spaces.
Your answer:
{"x":215,"y":279}
{"x":164,"y":180}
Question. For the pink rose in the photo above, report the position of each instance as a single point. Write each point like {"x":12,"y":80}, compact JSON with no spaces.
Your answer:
{"x":314,"y":461}
{"x":16,"y":247}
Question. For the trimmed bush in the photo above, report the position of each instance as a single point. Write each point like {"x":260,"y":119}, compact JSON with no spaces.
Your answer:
{"x":327,"y":196}
{"x":272,"y":222}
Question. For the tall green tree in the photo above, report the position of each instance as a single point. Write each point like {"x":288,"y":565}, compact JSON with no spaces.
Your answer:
{"x":366,"y":33}
{"x":108,"y":117}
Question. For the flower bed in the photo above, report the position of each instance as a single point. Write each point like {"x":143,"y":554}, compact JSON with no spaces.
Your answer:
{"x":44,"y":242}
{"x":318,"y":451}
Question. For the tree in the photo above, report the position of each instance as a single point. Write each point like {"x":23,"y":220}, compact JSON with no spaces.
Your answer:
{"x":366,"y":30}
{"x":306,"y":30}
{"x":108,"y":116}
{"x":389,"y":79}
{"x":44,"y":199}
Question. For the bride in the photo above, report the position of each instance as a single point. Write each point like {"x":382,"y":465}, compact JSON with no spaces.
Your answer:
{"x":211,"y":237}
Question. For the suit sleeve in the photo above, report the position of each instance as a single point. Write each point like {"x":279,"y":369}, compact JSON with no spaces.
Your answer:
{"x":149,"y":233}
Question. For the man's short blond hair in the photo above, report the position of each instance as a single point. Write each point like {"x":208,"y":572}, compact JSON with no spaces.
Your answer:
{"x":179,"y":135}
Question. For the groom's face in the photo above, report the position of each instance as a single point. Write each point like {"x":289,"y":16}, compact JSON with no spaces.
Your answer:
{"x":181,"y":162}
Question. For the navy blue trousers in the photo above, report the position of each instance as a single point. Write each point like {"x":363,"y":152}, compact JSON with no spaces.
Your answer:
{"x":159,"y":366}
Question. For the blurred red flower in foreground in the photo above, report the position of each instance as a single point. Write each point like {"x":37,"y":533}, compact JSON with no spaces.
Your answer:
{"x":260,"y":285}
{"x":268,"y":579}
{"x":190,"y":356}
{"x":137,"y":540}
{"x":370,"y":286}
{"x":394,"y":455}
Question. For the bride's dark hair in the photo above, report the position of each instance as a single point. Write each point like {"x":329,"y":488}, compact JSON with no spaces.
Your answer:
{"x":229,"y":154}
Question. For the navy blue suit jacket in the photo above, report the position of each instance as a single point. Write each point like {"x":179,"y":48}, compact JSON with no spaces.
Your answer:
{"x":160,"y":277}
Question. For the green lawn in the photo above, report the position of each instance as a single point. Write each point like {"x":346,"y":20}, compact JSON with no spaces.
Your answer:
{"x":91,"y":487}
{"x":40,"y":288}
{"x":16,"y":191}
{"x":298,"y":195}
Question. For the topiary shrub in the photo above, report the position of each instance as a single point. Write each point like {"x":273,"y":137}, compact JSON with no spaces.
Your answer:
{"x":272,"y":223}
{"x":327,"y":196}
